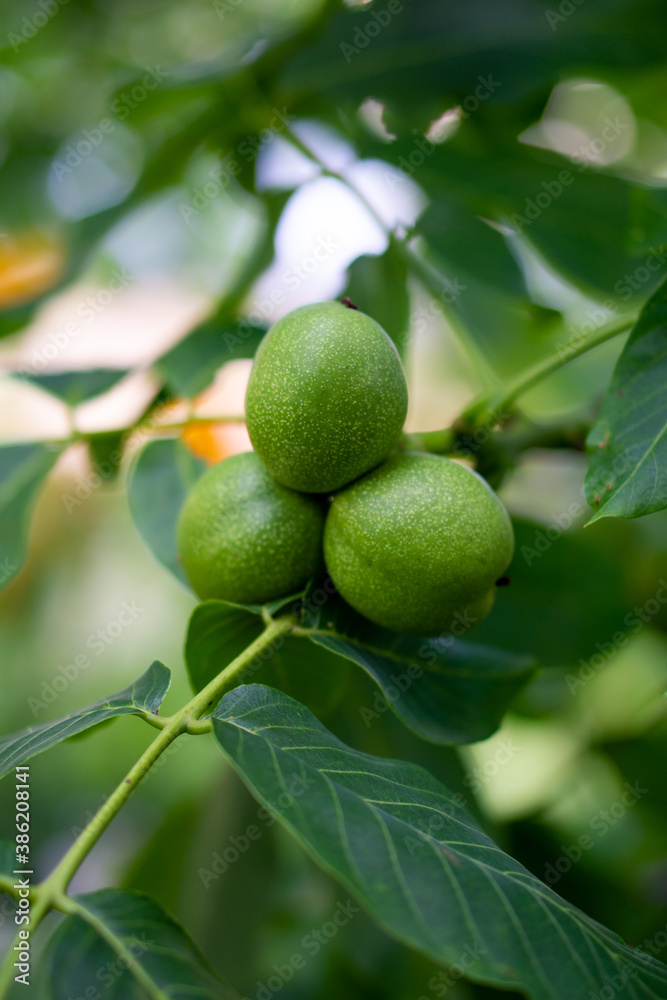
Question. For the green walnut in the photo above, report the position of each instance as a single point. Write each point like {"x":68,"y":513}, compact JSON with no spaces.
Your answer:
{"x":327,"y":397}
{"x":243,"y":537}
{"x":418,"y":544}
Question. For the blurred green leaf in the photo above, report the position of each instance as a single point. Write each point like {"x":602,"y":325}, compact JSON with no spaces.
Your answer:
{"x":567,"y":591}
{"x":583,"y":222}
{"x":627,"y":475}
{"x":405,"y":847}
{"x":420,"y":60}
{"x":142,"y":697}
{"x":23,"y":469}
{"x":218,"y":632}
{"x":160,"y":478}
{"x":190,"y":366}
{"x":129,"y":944}
{"x":378,"y":286}
{"x":446,"y":690}
{"x":14,"y":319}
{"x":106,"y":452}
{"x":470,"y":247}
{"x":76,"y":387}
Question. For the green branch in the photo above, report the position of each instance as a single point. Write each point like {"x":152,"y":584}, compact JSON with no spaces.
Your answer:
{"x":51,"y":893}
{"x":485,"y":407}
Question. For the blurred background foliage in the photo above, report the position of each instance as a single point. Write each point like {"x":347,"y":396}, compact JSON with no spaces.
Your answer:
{"x":173,"y":167}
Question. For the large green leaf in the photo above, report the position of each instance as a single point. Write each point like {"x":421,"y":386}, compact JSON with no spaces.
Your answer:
{"x":403,"y":845}
{"x":627,"y":475}
{"x":159,"y":482}
{"x":143,"y":697}
{"x":447,"y":690}
{"x":584,"y":223}
{"x":23,"y":469}
{"x":78,"y":386}
{"x":218,"y":632}
{"x":125,"y":944}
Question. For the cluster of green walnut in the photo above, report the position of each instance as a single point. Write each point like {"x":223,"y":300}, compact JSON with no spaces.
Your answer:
{"x":414,"y":542}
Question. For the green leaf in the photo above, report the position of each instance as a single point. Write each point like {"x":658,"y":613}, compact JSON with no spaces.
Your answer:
{"x":555,"y":573}
{"x":143,"y":697}
{"x":471,"y":248}
{"x":106,"y":452}
{"x":446,"y":690}
{"x":582,"y":222}
{"x":23,"y":469}
{"x":627,"y":475}
{"x":159,"y":481}
{"x":218,"y":632}
{"x":93,"y":944}
{"x":405,"y":847}
{"x":76,"y":387}
{"x":190,"y":366}
{"x":378,"y":285}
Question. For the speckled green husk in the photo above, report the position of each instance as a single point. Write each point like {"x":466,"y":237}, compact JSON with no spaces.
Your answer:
{"x":417,"y":545}
{"x":327,"y":397}
{"x":243,"y":537}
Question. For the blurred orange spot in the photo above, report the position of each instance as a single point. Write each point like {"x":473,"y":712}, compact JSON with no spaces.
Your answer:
{"x":213,"y":442}
{"x":29,"y":265}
